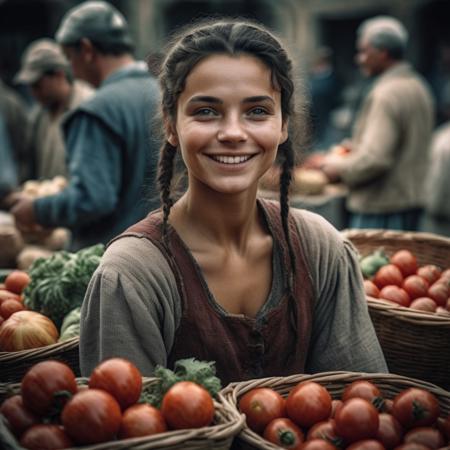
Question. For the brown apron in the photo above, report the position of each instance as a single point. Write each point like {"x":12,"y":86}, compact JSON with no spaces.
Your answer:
{"x":242,"y":347}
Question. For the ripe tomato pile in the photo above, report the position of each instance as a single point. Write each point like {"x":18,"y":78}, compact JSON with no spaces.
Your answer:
{"x":362,"y":419}
{"x":11,"y":299}
{"x":402,"y":281}
{"x":53,"y":412}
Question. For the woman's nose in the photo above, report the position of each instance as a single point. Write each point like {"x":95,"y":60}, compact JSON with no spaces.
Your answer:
{"x":232,"y":130}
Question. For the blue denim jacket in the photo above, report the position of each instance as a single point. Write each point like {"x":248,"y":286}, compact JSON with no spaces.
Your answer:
{"x":112,"y":160}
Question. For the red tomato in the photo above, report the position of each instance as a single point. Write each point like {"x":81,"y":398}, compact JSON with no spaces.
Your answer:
{"x":429,"y":272}
{"x":335,"y":405}
{"x":45,"y":437}
{"x":308,"y":403}
{"x":357,"y":420}
{"x":423,"y":304}
{"x":9,"y":307}
{"x":363,"y":389}
{"x":187,"y":405}
{"x":415,"y":286}
{"x":17,"y":281}
{"x":371,"y":289}
{"x":366,"y":444}
{"x":415,"y":407}
{"x":438,"y":292}
{"x":317,"y":444}
{"x":120,"y":378}
{"x":445,"y":275}
{"x":395,"y":294}
{"x":447,"y":307}
{"x":284,"y":433}
{"x":42,"y":381}
{"x":405,"y":261}
{"x":325,"y":430}
{"x":431,"y":437}
{"x":91,"y":416}
{"x":19,"y":418}
{"x":7,"y":295}
{"x":388,"y":275}
{"x":141,"y":420}
{"x":412,"y":446}
{"x":388,"y":404}
{"x":390,"y":432}
{"x":261,"y":406}
{"x":443,"y":425}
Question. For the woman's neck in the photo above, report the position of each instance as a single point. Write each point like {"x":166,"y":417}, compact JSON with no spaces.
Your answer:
{"x":225,"y":220}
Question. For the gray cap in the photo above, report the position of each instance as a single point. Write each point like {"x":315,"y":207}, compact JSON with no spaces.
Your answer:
{"x":95,"y":20}
{"x":40,"y":57}
{"x":384,"y":25}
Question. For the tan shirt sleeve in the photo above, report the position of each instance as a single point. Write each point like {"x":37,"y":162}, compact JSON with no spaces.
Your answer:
{"x":343,"y":337}
{"x":129,"y":310}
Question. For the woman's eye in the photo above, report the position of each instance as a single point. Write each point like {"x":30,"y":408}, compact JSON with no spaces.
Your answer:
{"x":205,"y":112}
{"x":258,"y":112}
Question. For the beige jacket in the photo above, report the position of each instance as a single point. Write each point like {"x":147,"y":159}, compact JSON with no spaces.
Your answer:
{"x":386,"y":169}
{"x":47,"y":136}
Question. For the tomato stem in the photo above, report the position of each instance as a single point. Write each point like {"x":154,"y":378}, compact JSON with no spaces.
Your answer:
{"x":418,"y":411}
{"x":286,"y":437}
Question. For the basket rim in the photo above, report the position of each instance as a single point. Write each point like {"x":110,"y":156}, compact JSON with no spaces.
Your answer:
{"x":45,"y":351}
{"x":231,"y":423}
{"x":413,"y":316}
{"x":233,"y":391}
{"x":332,"y":376}
{"x":395,"y":234}
{"x":384,"y":307}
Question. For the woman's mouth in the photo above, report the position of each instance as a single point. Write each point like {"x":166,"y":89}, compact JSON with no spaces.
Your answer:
{"x":230,"y":159}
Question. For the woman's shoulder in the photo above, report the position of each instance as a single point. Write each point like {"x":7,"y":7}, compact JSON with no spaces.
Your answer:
{"x":134,"y":256}
{"x":319,"y":237}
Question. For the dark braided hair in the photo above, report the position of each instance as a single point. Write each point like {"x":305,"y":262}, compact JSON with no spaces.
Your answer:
{"x":229,"y":37}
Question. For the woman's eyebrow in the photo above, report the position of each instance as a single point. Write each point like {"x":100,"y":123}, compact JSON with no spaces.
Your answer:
{"x":259,"y":98}
{"x":204,"y":99}
{"x":210,"y":99}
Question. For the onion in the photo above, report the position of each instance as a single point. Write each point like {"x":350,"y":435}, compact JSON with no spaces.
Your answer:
{"x":27,"y":329}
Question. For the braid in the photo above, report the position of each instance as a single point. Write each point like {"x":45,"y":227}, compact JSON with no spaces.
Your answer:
{"x":285,"y":180}
{"x":165,"y":173}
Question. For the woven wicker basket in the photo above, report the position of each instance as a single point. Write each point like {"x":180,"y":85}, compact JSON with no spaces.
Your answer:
{"x":335,"y":382}
{"x":227,"y":424}
{"x":13,"y":365}
{"x":415,"y":344}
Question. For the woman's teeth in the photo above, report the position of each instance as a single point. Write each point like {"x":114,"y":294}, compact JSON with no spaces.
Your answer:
{"x":231,"y":159}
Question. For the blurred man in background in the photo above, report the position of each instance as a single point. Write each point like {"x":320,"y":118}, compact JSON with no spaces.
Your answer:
{"x":16,"y":123}
{"x":385,"y":163}
{"x":8,"y":169}
{"x":47,"y":72}
{"x":112,"y":153}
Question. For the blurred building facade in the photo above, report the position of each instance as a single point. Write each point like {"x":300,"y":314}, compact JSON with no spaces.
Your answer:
{"x":305,"y":25}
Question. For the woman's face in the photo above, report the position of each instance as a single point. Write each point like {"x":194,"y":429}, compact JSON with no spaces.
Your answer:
{"x":229,"y":123}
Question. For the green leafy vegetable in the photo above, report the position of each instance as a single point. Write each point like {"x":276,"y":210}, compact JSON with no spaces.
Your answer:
{"x":371,"y":263}
{"x":58,"y":283}
{"x":70,"y":325}
{"x":190,"y":369}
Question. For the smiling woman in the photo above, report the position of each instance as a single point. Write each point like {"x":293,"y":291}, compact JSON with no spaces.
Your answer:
{"x":228,"y":125}
{"x":219,"y":274}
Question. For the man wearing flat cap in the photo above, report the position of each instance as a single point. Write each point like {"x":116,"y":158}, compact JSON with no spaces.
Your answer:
{"x":47,"y":72}
{"x":386,"y":161}
{"x":112,"y":152}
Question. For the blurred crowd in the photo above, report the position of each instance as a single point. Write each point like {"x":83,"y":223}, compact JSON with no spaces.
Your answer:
{"x":387,"y":139}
